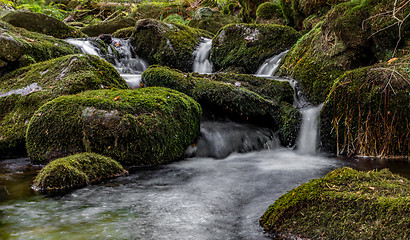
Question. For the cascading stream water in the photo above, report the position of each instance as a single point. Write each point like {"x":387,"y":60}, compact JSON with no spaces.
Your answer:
{"x":268,"y":68}
{"x":127,"y":63}
{"x":308,"y":135}
{"x":202,"y":64}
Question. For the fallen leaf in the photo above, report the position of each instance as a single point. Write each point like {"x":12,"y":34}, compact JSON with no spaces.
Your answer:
{"x":371,"y":188}
{"x":116,"y":98}
{"x":392,"y":60}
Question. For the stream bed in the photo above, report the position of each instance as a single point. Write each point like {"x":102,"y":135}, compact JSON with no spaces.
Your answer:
{"x":195,"y":198}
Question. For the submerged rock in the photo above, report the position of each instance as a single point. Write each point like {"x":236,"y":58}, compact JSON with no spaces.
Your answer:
{"x":37,"y":22}
{"x":148,"y":126}
{"x":351,"y":35}
{"x":346,"y":204}
{"x":167,"y":44}
{"x":249,"y":45}
{"x":24,"y":90}
{"x":108,"y":27}
{"x":241,"y":97}
{"x":367,"y":111}
{"x":76,"y":171}
{"x":19,"y":47}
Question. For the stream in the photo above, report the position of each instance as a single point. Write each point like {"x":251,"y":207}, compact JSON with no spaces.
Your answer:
{"x":218,"y":191}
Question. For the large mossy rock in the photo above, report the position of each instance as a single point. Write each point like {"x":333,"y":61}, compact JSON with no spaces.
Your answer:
{"x":148,"y":126}
{"x":353,"y":34}
{"x":19,"y":47}
{"x":238,"y":96}
{"x":37,"y":22}
{"x":296,"y":11}
{"x":24,"y":90}
{"x":249,"y":8}
{"x":167,"y":44}
{"x":270,"y":12}
{"x":368,"y":111}
{"x":108,"y":27}
{"x":346,"y":204}
{"x":76,"y":171}
{"x":210,"y":20}
{"x":249,"y":45}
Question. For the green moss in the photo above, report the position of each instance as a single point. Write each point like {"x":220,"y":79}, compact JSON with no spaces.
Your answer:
{"x":43,"y":82}
{"x":269,"y":10}
{"x":241,"y":97}
{"x":343,"y":41}
{"x":123,"y":32}
{"x":108,"y":27}
{"x":167,"y":44}
{"x":160,"y":12}
{"x":148,"y":126}
{"x":210,"y":20}
{"x":249,"y":45}
{"x":367,"y":111}
{"x":249,"y":8}
{"x":37,"y":22}
{"x":76,"y":171}
{"x":346,"y":204}
{"x":17,"y":42}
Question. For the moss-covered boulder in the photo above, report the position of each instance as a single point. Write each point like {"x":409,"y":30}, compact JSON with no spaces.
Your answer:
{"x":353,"y":34}
{"x":108,"y":27}
{"x":167,"y":44}
{"x":240,"y":97}
{"x":19,"y":47}
{"x":249,"y":7}
{"x":123,"y":32}
{"x":210,"y":20}
{"x":76,"y":171}
{"x":346,"y":204}
{"x":148,"y":126}
{"x":249,"y":45}
{"x":270,"y":12}
{"x":37,"y":22}
{"x":24,"y":90}
{"x":146,"y":10}
{"x":296,"y":11}
{"x":368,"y":110}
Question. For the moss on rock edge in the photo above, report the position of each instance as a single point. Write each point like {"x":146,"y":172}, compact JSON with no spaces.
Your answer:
{"x":148,"y":126}
{"x":76,"y":171}
{"x":167,"y":44}
{"x":249,"y":45}
{"x":367,"y":111}
{"x":346,"y":204}
{"x":238,"y":96}
{"x":24,"y":90}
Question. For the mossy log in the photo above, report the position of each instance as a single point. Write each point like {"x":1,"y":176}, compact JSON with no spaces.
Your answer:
{"x":79,"y":170}
{"x":346,"y":204}
{"x":143,"y":127}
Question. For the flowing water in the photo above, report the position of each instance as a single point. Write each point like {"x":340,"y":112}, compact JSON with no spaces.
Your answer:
{"x":202,"y":64}
{"x":268,"y":68}
{"x":219,"y":191}
{"x":120,"y":54}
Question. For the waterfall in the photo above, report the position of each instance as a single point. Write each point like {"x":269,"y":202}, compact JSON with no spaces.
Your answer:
{"x":127,"y":63}
{"x":268,"y":68}
{"x":308,"y":135}
{"x":202,"y":64}
{"x":220,"y":139}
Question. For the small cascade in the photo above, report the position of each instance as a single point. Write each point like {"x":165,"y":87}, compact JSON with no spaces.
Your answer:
{"x":220,"y":139}
{"x":202,"y":64}
{"x":120,"y":53}
{"x":308,"y":135}
{"x":268,"y":68}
